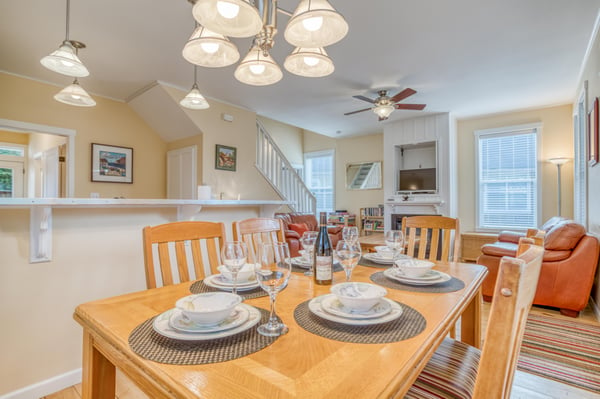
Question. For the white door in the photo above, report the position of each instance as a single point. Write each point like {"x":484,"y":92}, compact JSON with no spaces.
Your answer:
{"x":50,"y":173}
{"x":11,"y":179}
{"x":181,"y":173}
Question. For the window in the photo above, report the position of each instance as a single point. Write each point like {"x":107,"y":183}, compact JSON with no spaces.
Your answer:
{"x":12,"y":169}
{"x":580,"y":161}
{"x":507,"y":177}
{"x":319,"y":178}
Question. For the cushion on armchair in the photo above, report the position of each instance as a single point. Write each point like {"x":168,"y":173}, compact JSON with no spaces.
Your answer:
{"x":563,"y":236}
{"x":299,"y":228}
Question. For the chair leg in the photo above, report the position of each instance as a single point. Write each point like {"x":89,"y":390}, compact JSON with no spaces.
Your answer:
{"x":569,"y":312}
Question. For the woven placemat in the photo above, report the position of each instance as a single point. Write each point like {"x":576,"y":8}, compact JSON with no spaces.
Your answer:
{"x":198,"y":287}
{"x":299,"y":269}
{"x":369,"y":263}
{"x":451,"y":285}
{"x":409,"y":324}
{"x":150,"y":345}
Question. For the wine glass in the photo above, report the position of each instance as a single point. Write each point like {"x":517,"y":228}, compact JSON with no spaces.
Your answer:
{"x":233,"y":256}
{"x":348,"y":254}
{"x":350,"y":234}
{"x":308,"y":240}
{"x":394,"y":239}
{"x":273,"y":272}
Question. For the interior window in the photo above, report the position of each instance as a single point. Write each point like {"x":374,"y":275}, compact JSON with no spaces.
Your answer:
{"x":319,"y":178}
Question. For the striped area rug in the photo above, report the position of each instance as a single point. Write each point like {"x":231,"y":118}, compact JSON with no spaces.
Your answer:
{"x":562,"y":350}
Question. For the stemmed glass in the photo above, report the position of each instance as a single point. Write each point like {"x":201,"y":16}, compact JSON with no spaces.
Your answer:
{"x":233,"y":256}
{"x":394,"y":239}
{"x":348,"y":254}
{"x":350,"y":234}
{"x":308,"y":240}
{"x":273,"y":272}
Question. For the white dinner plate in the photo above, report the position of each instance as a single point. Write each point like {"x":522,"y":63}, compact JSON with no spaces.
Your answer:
{"x":331,"y":304}
{"x":220,"y":282}
{"x":391,"y":273}
{"x":300,"y":262}
{"x":315,"y":307}
{"x":430,"y":275}
{"x":161,"y":325}
{"x":375,"y":257}
{"x":239,"y":315}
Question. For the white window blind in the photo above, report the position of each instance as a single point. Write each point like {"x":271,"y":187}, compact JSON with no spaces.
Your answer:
{"x":319,"y":178}
{"x":507,"y":179}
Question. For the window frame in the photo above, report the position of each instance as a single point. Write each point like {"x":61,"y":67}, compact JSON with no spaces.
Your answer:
{"x":317,"y":154}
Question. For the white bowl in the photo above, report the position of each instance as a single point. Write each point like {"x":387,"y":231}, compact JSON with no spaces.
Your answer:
{"x":410,"y":267}
{"x":359,"y":297}
{"x":384,"y":251}
{"x":245,"y":274}
{"x":208,"y":308}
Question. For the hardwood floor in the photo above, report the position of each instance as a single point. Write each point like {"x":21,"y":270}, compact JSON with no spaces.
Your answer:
{"x":525,"y":386}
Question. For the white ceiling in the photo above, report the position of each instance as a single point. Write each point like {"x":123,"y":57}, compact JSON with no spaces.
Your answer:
{"x":468,"y":57}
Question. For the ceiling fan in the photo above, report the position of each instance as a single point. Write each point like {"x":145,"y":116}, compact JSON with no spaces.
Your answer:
{"x":385,"y":105}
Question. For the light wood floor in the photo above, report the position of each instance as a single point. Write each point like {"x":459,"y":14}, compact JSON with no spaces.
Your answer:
{"x":525,"y":386}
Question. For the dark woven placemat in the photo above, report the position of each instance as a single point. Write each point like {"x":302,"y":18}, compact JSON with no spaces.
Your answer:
{"x":150,"y":345}
{"x":369,"y":263}
{"x":451,"y":285}
{"x":198,"y":287}
{"x":409,"y":324}
{"x":299,"y":269}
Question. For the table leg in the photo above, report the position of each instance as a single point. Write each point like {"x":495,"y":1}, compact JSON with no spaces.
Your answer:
{"x":470,"y":322}
{"x":98,"y":374}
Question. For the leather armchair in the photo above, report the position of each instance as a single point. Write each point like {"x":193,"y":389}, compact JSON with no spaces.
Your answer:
{"x":568,"y":267}
{"x":293,"y":238}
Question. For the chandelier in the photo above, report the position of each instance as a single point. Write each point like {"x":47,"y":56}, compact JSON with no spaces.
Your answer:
{"x":314,"y":25}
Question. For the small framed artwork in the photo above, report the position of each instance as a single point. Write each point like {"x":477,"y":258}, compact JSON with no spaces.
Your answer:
{"x":593,"y":134}
{"x":225,"y":158}
{"x":112,"y":164}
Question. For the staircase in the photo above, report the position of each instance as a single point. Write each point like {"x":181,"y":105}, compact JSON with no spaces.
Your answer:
{"x":278,"y":171}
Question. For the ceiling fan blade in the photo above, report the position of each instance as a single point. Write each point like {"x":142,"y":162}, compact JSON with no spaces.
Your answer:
{"x":417,"y":107}
{"x":367,"y":99}
{"x":403,"y":94}
{"x":355,"y":112}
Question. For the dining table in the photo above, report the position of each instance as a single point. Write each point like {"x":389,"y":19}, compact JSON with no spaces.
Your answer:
{"x":304,"y":363}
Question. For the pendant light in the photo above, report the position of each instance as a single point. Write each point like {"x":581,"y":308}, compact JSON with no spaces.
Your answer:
{"x":235,"y":18}
{"x":64,"y":60}
{"x":309,"y":62}
{"x":75,"y":95}
{"x":194,"y":100}
{"x":209,"y":49}
{"x":258,"y":68}
{"x":315,"y":23}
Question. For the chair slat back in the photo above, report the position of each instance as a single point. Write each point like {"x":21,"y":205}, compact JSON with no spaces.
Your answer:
{"x":514,"y":291}
{"x":175,"y":237}
{"x":257,"y":230}
{"x":427,"y":233}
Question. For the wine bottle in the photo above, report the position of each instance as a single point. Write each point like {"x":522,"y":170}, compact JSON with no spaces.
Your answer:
{"x":323,"y":258}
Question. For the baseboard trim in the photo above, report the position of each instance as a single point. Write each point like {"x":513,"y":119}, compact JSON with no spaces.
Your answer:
{"x":46,"y":387}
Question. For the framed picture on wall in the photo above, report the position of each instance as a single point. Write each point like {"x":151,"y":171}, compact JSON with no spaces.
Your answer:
{"x":593,"y":134}
{"x":225,"y":158}
{"x":112,"y":164}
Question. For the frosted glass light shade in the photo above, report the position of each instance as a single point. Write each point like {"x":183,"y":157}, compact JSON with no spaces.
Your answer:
{"x":309,"y":62}
{"x":315,"y":23}
{"x":384,"y":111}
{"x":74,"y":94}
{"x":559,"y":161}
{"x":65,"y":61}
{"x":194,"y":100}
{"x":218,"y":16}
{"x":256,"y":69}
{"x":209,"y":49}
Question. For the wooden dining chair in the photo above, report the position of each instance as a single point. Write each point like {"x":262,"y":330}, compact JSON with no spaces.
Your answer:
{"x":433,"y":236}
{"x":256,"y":230}
{"x":457,"y":370}
{"x":178,"y":242}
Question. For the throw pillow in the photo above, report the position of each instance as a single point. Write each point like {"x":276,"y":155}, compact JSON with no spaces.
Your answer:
{"x":299,"y":228}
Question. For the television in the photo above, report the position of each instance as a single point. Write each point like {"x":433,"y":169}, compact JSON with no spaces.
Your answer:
{"x":418,"y":180}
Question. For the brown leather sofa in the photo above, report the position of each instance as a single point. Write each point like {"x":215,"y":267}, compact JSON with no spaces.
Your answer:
{"x":292,"y":237}
{"x":568,"y":268}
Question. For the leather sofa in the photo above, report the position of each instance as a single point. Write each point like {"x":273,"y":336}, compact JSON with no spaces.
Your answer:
{"x":292,"y":233}
{"x":568,"y":267}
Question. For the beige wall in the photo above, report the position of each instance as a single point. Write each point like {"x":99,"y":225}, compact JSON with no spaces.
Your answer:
{"x":15,"y":138}
{"x":288,"y":138}
{"x":556,"y":141}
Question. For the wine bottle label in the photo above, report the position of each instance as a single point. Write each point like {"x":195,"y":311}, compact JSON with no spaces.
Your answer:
{"x":324,"y":269}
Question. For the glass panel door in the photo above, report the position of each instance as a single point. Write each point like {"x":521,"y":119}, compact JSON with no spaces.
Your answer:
{"x":11,"y":179}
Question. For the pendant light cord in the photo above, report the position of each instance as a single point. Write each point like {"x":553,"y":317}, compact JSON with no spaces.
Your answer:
{"x":68,"y":17}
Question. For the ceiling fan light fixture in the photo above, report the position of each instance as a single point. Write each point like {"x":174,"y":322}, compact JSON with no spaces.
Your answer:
{"x":75,"y":95}
{"x":309,"y":62}
{"x":209,"y":49}
{"x":315,"y":23}
{"x":384,"y":111}
{"x":258,"y":69}
{"x":235,"y":18}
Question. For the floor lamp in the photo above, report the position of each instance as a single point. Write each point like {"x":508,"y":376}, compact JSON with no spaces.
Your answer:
{"x":558,"y":162}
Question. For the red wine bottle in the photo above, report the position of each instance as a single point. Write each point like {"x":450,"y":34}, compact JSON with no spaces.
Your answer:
{"x":323,"y":259}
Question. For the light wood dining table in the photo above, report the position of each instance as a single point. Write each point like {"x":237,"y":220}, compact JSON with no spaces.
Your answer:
{"x":297,"y":365}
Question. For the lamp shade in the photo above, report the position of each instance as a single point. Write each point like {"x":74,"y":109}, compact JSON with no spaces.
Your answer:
{"x":384,"y":111}
{"x":258,"y":69}
{"x":209,"y":49}
{"x":194,"y":100}
{"x":309,"y":62}
{"x":65,"y":61}
{"x":315,"y":23}
{"x":559,"y":161}
{"x":235,"y":18}
{"x":74,"y":94}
